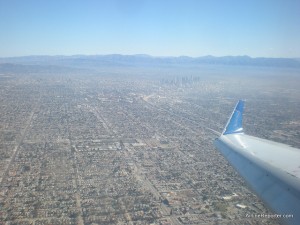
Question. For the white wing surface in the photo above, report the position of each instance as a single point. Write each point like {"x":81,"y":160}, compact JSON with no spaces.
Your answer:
{"x":271,"y":169}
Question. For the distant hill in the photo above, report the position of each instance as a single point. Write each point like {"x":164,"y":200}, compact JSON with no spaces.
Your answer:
{"x":96,"y":61}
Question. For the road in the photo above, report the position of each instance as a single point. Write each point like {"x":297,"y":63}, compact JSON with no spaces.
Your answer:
{"x":19,"y":142}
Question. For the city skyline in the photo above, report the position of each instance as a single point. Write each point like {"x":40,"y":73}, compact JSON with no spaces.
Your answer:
{"x":167,"y":28}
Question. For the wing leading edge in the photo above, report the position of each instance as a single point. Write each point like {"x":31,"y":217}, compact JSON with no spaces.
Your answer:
{"x":271,"y":169}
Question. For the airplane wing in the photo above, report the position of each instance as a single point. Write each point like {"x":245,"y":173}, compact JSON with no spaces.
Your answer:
{"x":271,"y":169}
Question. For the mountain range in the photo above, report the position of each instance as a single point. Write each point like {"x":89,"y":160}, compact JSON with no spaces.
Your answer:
{"x":96,"y":61}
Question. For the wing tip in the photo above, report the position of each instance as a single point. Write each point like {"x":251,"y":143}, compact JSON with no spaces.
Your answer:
{"x":234,"y":124}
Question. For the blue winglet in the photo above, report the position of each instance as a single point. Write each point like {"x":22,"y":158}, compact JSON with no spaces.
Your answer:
{"x":234,"y":124}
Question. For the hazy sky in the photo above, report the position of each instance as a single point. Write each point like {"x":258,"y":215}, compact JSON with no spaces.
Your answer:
{"x":269,"y":28}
